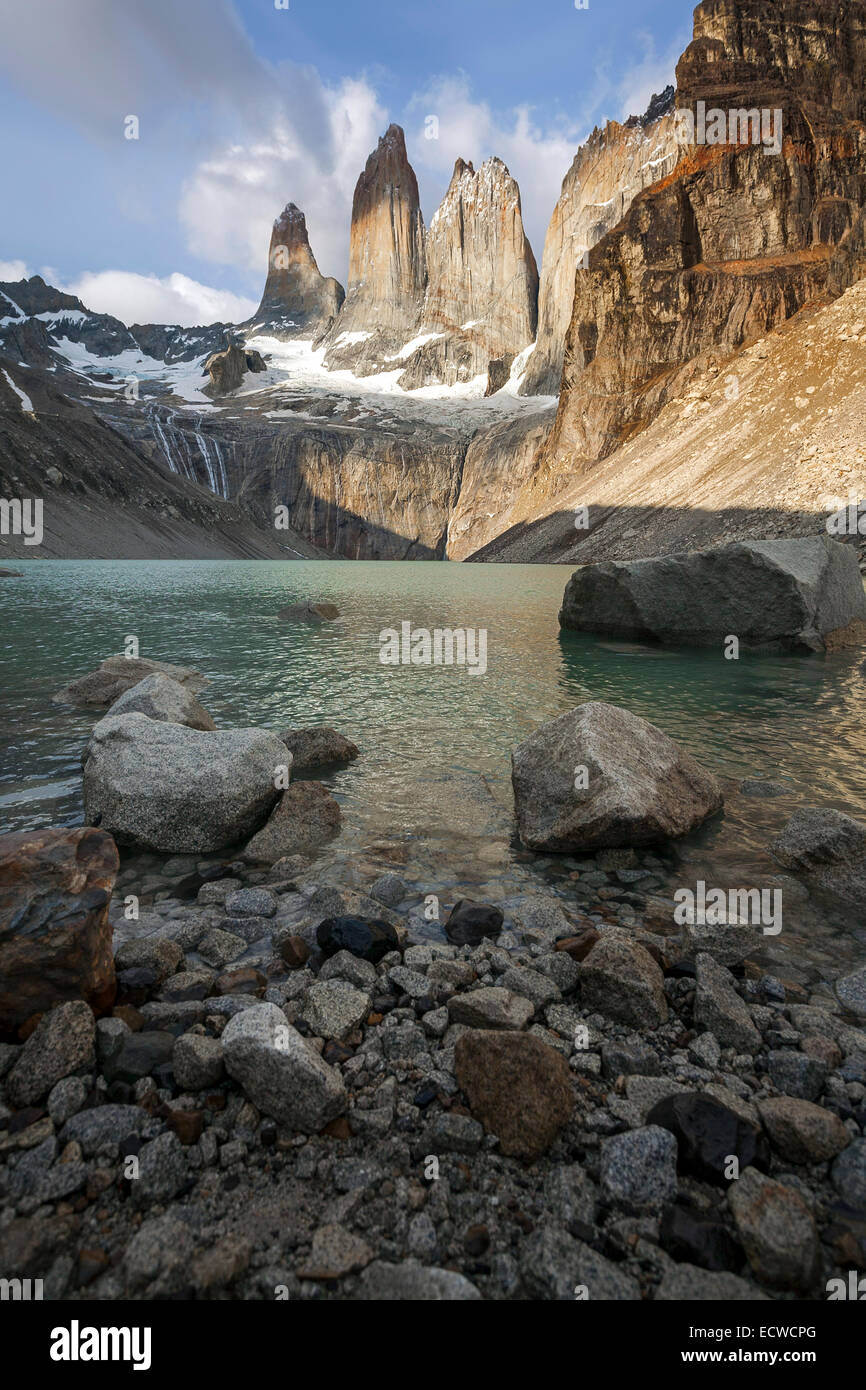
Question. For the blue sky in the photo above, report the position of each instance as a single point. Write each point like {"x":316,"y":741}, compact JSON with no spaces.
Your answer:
{"x":243,"y":107}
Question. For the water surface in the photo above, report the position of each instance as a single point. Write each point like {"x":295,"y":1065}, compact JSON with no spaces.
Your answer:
{"x":431,"y":792}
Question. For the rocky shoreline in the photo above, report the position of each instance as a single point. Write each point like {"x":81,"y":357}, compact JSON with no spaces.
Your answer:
{"x":228,"y":1078}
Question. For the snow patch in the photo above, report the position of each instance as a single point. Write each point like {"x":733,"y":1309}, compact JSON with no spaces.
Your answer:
{"x":348,"y":339}
{"x":26,"y":403}
{"x":412,"y":346}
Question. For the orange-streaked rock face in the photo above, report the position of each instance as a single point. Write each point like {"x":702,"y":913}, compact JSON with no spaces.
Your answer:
{"x":55,"y":936}
{"x":739,"y":236}
{"x":298,"y":301}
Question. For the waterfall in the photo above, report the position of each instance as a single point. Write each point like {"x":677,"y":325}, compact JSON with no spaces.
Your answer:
{"x":179,"y":455}
{"x":216,"y":470}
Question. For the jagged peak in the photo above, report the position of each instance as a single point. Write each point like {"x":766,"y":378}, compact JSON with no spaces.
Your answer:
{"x":660,"y":104}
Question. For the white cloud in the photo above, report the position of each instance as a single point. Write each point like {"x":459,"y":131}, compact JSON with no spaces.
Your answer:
{"x":13,"y":270}
{"x":232,"y":198}
{"x":468,"y":129}
{"x":148,"y":299}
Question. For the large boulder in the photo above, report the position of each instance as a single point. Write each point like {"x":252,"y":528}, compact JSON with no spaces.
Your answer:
{"x":280,"y":1071}
{"x":55,"y":936}
{"x":117,"y":674}
{"x":791,"y":595}
{"x":828,"y":848}
{"x":304,"y":819}
{"x":228,"y":368}
{"x":175,"y":790}
{"x":599,"y":777}
{"x":164,"y":699}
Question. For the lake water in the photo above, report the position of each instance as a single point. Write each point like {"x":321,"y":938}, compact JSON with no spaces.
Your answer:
{"x":430,"y":794}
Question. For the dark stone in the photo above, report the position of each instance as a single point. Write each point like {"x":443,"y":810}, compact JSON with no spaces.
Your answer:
{"x":134,"y":986}
{"x":119,"y":1093}
{"x":309,"y":612}
{"x":425,"y":1096}
{"x":187,"y":1124}
{"x":469,"y":923}
{"x":618,"y":1059}
{"x":295,"y":952}
{"x":366,"y":937}
{"x":476,"y":1241}
{"x":187,"y":889}
{"x":708,"y":1134}
{"x":140,"y":1055}
{"x":699,"y":1240}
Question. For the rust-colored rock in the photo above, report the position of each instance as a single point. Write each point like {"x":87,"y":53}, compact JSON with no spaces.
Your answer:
{"x":55,"y":936}
{"x":517,"y":1086}
{"x":579,"y":947}
{"x":295,"y":952}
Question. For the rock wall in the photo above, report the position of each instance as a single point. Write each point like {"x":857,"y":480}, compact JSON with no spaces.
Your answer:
{"x":737,"y":238}
{"x":356,"y":493}
{"x":609,"y":170}
{"x":482,"y":281}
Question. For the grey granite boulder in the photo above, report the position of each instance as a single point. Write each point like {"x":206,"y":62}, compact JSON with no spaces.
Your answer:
{"x":314,"y":747}
{"x":117,"y":674}
{"x":599,"y":777}
{"x":175,"y":790}
{"x":827,"y":848}
{"x":803,"y":594}
{"x":62,"y":1043}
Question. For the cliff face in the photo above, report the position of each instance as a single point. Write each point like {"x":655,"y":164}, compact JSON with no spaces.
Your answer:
{"x":770,"y":458}
{"x":609,"y":170}
{"x":387,"y":262}
{"x":298,"y":301}
{"x":482,"y":280}
{"x":738,"y":237}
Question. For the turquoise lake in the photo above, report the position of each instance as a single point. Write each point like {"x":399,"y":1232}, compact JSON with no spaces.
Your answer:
{"x":430,"y":793}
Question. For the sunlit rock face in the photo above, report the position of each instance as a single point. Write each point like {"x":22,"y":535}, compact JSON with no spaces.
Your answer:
{"x":387,"y":262}
{"x":482,"y":280}
{"x":739,"y":236}
{"x":298,"y":301}
{"x":615,"y":164}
